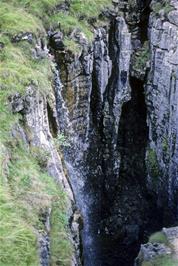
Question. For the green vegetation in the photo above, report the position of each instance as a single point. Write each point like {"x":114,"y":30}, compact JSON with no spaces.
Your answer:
{"x":61,"y":251}
{"x":40,"y":155}
{"x":72,"y":46}
{"x":27,"y":193}
{"x":19,"y":69}
{"x":67,"y":23}
{"x":26,"y":190}
{"x":89,"y":8}
{"x":141,"y":57}
{"x":33,"y":16}
{"x":161,"y":261}
{"x":15,"y":20}
{"x":61,"y":141}
{"x":164,"y":5}
{"x":41,"y":9}
{"x":165,"y":146}
{"x":152,"y":164}
{"x":17,"y":239}
{"x":158,"y":237}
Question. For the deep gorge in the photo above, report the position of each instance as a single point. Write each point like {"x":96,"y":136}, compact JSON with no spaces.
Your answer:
{"x":120,"y":211}
{"x":89,"y":133}
{"x":107,"y":164}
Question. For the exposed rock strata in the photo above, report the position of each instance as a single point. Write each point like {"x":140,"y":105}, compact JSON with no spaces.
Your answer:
{"x":161,"y":98}
{"x":100,"y":107}
{"x":37,"y":130}
{"x":122,"y":128}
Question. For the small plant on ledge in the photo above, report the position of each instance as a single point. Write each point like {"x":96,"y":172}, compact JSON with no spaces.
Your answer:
{"x":141,"y":58}
{"x":162,"y":5}
{"x":61,"y":141}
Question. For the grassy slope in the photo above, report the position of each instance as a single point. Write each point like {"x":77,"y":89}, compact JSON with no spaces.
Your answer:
{"x":26,"y":192}
{"x":25,"y":189}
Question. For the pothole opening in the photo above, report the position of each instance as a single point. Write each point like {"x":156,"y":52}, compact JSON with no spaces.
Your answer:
{"x":120,"y":222}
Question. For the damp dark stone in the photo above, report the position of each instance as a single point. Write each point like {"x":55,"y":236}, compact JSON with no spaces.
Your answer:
{"x":123,"y":77}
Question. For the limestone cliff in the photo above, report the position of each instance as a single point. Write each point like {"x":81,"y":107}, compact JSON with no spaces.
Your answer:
{"x":89,"y":95}
{"x":161,"y":95}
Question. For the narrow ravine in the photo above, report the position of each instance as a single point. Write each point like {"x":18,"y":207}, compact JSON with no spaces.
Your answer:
{"x":121,"y":214}
{"x":103,"y":108}
{"x":118,"y":211}
{"x":89,"y":132}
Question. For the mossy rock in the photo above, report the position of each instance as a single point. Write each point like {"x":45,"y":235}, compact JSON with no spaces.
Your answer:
{"x":140,"y":58}
{"x":152,"y":165}
{"x":163,"y":5}
{"x":158,"y":237}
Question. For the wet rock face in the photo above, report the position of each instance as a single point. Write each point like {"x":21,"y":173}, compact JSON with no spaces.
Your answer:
{"x":122,"y":162}
{"x":90,"y":92}
{"x":161,"y":98}
{"x":56,"y":40}
{"x":106,"y":116}
{"x":119,"y":207}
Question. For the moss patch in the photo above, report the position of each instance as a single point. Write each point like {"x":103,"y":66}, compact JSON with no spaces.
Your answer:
{"x":89,"y":8}
{"x":141,"y":57}
{"x":152,"y":165}
{"x":158,"y":237}
{"x":164,"y":5}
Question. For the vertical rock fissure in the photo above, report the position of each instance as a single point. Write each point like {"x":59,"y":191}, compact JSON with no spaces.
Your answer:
{"x":123,"y":212}
{"x":131,"y":201}
{"x":133,"y":135}
{"x":52,"y":122}
{"x":144,"y":20}
{"x":126,"y":206}
{"x":108,"y":168}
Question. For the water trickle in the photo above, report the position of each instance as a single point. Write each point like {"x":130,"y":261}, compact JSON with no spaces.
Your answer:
{"x":62,"y":111}
{"x":107,"y":170}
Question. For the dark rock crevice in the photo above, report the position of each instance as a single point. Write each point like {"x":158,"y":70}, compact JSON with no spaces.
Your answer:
{"x":123,"y":213}
{"x":52,"y":121}
{"x":108,"y":168}
{"x":133,"y":135}
{"x":144,"y":22}
{"x":134,"y":207}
